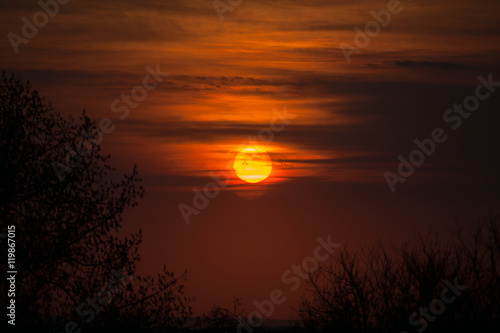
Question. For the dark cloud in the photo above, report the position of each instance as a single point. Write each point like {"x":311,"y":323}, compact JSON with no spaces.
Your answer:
{"x":431,"y":64}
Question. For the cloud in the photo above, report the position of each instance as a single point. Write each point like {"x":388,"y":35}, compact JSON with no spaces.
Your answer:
{"x":431,"y":64}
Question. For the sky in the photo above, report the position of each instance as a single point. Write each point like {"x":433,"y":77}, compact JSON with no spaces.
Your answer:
{"x":334,"y":106}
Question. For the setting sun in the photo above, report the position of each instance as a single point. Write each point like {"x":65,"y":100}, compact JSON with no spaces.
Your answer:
{"x":253,"y":165}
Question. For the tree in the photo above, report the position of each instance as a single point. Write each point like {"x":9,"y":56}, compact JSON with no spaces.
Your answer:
{"x":389,"y":290}
{"x":59,"y":193}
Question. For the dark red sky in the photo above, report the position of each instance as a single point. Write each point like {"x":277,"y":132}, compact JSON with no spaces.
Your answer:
{"x":351,"y":122}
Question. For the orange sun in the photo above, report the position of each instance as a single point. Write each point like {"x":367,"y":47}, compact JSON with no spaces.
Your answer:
{"x":253,"y":165}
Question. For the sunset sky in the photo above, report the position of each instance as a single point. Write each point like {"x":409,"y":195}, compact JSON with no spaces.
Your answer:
{"x":227,"y":80}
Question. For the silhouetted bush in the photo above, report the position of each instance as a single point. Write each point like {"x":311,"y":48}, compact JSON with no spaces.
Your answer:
{"x":377,"y":289}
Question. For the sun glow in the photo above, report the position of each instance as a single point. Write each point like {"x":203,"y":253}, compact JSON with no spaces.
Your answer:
{"x":253,"y":165}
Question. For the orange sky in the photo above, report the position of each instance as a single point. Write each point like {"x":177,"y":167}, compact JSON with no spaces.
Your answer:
{"x":348,"y":123}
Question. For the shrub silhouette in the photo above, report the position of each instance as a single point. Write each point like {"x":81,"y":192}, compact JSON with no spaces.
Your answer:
{"x":221,"y":319}
{"x":67,"y":241}
{"x":377,"y":289}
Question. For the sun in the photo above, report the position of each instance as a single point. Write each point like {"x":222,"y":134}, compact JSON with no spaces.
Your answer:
{"x":253,"y":165}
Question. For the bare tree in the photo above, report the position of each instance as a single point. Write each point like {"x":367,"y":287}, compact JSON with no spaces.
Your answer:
{"x":380,"y":289}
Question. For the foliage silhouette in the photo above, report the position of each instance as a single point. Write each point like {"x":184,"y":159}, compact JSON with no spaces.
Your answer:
{"x":67,"y":228}
{"x":221,"y":318}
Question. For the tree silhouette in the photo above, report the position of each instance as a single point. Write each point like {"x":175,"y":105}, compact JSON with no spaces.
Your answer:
{"x":59,"y":193}
{"x":388,"y":290}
